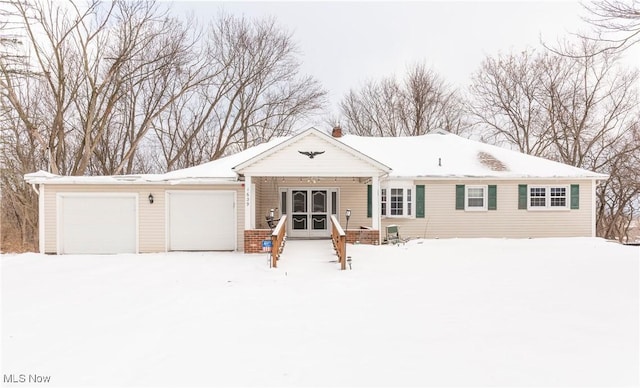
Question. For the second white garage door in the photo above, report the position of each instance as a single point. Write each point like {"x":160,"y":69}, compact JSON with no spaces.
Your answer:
{"x":201,"y":220}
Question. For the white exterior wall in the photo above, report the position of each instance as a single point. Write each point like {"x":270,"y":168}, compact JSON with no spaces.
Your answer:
{"x":351,"y":195}
{"x":151,"y":221}
{"x":442,"y":220}
{"x":288,"y":162}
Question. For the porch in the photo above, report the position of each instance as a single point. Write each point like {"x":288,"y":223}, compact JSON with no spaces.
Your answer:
{"x":309,"y":203}
{"x":309,"y":178}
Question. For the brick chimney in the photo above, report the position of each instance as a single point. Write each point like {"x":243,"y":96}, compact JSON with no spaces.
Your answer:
{"x":337,"y":131}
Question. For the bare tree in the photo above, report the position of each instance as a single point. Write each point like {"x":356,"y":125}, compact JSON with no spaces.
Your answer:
{"x":94,"y":63}
{"x":421,"y":103}
{"x":124,"y":87}
{"x":616,"y":22}
{"x":254,"y":92}
{"x":18,"y":219}
{"x":508,"y":101}
{"x":579,"y":109}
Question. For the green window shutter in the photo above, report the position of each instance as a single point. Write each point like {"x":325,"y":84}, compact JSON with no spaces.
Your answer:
{"x":493,"y":200}
{"x":420,"y":201}
{"x":575,"y":196}
{"x":522,"y":197}
{"x":459,"y":197}
{"x":369,"y":196}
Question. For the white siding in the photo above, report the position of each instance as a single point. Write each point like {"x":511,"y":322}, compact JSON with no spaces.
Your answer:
{"x":152,"y":227}
{"x":335,"y":161}
{"x":351,"y":193}
{"x":442,"y":220}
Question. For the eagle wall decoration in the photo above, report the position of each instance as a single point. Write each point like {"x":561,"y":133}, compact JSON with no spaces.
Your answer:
{"x":311,"y":154}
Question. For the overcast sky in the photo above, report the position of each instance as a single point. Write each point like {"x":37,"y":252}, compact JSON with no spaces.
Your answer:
{"x":343,"y":44}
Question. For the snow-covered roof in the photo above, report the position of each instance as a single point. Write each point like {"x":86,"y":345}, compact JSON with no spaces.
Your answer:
{"x":223,"y":167}
{"x":447,"y":155}
{"x":437,"y":155}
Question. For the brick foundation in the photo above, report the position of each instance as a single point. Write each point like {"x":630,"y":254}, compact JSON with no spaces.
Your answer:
{"x":253,"y":239}
{"x":363,"y":236}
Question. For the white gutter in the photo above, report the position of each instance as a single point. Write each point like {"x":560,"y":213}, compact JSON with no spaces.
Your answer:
{"x":196,"y":181}
{"x":499,"y":178}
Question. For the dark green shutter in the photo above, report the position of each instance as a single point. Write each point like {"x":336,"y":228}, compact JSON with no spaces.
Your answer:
{"x":493,"y":200}
{"x":369,"y":207}
{"x":459,"y":197}
{"x":522,"y":196}
{"x":420,"y":201}
{"x":575,"y":196}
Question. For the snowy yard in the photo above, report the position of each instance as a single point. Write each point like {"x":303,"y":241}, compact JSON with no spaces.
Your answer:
{"x":552,"y":312}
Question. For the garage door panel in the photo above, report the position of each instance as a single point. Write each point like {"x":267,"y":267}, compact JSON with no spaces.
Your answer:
{"x":98,"y":224}
{"x":202,"y":221}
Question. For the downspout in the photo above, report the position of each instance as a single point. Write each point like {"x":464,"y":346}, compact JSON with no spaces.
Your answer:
{"x":595,"y":183}
{"x":33,"y":186}
{"x":39,"y":190}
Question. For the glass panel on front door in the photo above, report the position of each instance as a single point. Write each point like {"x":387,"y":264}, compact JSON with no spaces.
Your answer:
{"x":319,"y":206}
{"x":299,"y":221}
{"x":299,"y":216}
{"x":299,"y":201}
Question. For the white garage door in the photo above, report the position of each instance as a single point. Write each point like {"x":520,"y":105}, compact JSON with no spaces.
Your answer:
{"x":97,"y":223}
{"x":202,"y":221}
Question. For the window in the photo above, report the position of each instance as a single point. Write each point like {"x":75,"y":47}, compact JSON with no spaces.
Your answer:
{"x":396,"y":202}
{"x":558,"y":196}
{"x":548,"y":197}
{"x":537,"y":197}
{"x":383,"y":202}
{"x":476,"y":198}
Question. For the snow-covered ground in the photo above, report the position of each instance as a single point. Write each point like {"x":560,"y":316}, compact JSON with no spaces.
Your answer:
{"x":544,"y":312}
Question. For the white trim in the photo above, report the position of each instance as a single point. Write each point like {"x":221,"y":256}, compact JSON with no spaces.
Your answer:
{"x":167,"y":213}
{"x":253,"y":208}
{"x":375,"y":203}
{"x":398,"y":184}
{"x":485,"y":198}
{"x":497,"y":178}
{"x":312,"y":131}
{"x":99,"y":180}
{"x":593,"y":207}
{"x":249,"y":204}
{"x":547,"y":198}
{"x":41,"y":233}
{"x":310,"y":232}
{"x":59,"y":213}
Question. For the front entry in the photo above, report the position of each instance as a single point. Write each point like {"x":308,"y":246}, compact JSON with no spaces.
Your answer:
{"x":310,"y":211}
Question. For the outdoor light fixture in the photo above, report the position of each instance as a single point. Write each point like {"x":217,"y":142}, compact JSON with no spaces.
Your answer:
{"x":272,"y":213}
{"x":150,"y":198}
{"x":348,"y":215}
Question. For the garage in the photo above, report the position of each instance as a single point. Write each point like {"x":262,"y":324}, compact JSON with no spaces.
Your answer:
{"x":201,"y":220}
{"x":97,"y":223}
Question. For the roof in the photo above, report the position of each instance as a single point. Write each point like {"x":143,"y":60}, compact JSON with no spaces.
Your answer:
{"x":445,"y":155}
{"x":321,"y":136}
{"x":437,"y":155}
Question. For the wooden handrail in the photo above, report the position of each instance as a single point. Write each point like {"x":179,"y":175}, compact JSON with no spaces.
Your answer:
{"x":277,"y":240}
{"x":339,"y":238}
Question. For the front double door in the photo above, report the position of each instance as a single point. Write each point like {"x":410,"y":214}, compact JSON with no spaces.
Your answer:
{"x":310,"y":211}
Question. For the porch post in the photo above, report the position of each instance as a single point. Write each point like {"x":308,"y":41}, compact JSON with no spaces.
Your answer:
{"x":375,"y":202}
{"x":249,"y":204}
